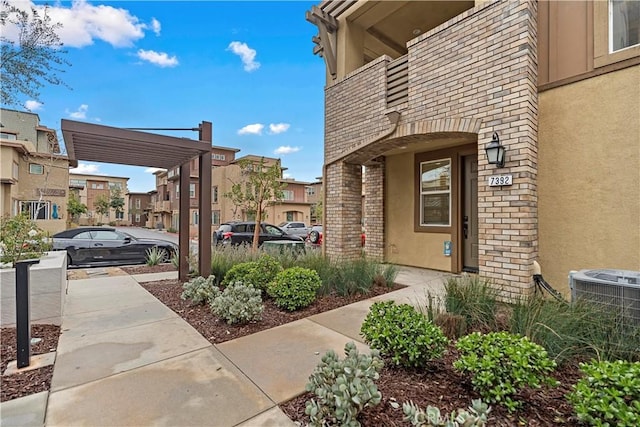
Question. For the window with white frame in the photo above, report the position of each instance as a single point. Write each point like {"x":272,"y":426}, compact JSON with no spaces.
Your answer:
{"x":435,"y":193}
{"x":15,"y":173}
{"x":137,"y":203}
{"x":97,"y":186}
{"x":35,"y":209}
{"x":218,"y":156}
{"x":624,"y":24}
{"x":177,"y":192}
{"x":287,"y":195}
{"x":214,"y":194}
{"x":114,"y":185}
{"x":137,"y":217}
{"x":192,"y":191}
{"x":194,"y":218}
{"x":9,"y":136}
{"x":215,"y":217}
{"x":119,"y":215}
{"x":36,"y":169}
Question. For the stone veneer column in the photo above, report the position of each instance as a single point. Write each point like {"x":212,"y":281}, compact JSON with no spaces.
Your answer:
{"x":374,"y":210}
{"x":343,"y":211}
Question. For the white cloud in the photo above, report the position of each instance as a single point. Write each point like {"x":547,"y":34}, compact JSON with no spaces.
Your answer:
{"x":245,"y":53}
{"x":81,"y":113}
{"x":276,"y":128}
{"x":286,"y":149}
{"x":82,"y":23}
{"x":32,"y":105}
{"x":153,"y":170}
{"x":286,"y":175}
{"x":85,"y":168}
{"x":161,"y":59}
{"x":156,"y":26}
{"x":254,"y":129}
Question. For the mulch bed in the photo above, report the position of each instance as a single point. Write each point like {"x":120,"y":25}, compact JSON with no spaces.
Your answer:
{"x":26,"y":382}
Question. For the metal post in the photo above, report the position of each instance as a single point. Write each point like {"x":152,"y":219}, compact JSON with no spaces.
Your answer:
{"x":23,"y":318}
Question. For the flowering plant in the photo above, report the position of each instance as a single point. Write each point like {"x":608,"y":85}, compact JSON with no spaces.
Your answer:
{"x":21,"y":238}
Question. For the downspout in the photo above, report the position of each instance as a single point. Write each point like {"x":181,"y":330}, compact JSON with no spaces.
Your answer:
{"x":394,"y":119}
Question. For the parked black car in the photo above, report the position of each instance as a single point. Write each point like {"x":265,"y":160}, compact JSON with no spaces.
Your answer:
{"x":242,"y":232}
{"x":103,"y":245}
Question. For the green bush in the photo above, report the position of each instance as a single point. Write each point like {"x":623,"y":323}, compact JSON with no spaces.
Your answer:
{"x":200,"y":290}
{"x":21,"y":238}
{"x":475,"y":416}
{"x":473,"y":298}
{"x":257,"y":273}
{"x":224,"y":257}
{"x":294,"y":288}
{"x":608,"y":394}
{"x":501,"y":364}
{"x":343,"y":388}
{"x":403,"y":334}
{"x":238,"y":303}
{"x":581,"y":330}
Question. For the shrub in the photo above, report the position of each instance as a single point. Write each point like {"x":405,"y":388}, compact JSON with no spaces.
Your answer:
{"x":257,"y":273}
{"x":238,"y":303}
{"x":294,"y":288}
{"x":608,"y":394}
{"x":476,"y":415}
{"x":343,"y":388}
{"x":224,"y":257}
{"x":581,"y":330}
{"x":474,"y":299}
{"x":501,"y":364}
{"x":403,"y":334}
{"x":192,"y":260}
{"x":21,"y":238}
{"x":155,"y":255}
{"x":200,"y":290}
{"x":355,"y":276}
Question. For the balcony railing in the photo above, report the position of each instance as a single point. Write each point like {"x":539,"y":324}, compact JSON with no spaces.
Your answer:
{"x":397,"y":81}
{"x":163,"y":206}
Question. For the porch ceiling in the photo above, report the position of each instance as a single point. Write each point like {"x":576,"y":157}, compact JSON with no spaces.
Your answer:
{"x":98,"y":143}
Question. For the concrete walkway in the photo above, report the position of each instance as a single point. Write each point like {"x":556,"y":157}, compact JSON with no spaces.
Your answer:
{"x":125,"y":359}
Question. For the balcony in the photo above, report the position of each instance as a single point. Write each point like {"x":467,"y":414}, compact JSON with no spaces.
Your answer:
{"x":162,"y":206}
{"x":472,"y":68}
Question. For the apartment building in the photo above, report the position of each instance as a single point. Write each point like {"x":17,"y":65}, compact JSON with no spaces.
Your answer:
{"x":139,"y":209}
{"x":33,"y":173}
{"x":425,"y":94}
{"x":92,"y":188}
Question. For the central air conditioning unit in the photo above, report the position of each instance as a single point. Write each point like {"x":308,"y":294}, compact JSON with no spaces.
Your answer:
{"x":618,"y":290}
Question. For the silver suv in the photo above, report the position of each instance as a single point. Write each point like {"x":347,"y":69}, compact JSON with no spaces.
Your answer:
{"x":295,"y":228}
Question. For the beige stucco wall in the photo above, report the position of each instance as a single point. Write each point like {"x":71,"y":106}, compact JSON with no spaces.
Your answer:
{"x":403,"y":245}
{"x":589,"y":176}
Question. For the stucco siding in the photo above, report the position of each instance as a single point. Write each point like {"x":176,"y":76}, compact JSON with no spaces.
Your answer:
{"x":589,"y":176}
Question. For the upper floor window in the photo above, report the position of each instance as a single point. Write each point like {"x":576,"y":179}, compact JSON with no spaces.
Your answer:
{"x":137,"y":203}
{"x":9,"y":136}
{"x":215,"y":217}
{"x":218,"y":156}
{"x":435,"y":193}
{"x":36,"y":169}
{"x":15,"y":173}
{"x":192,"y":191}
{"x":288,"y":195}
{"x":97,"y":186}
{"x":78,"y":182}
{"x":214,"y":194}
{"x":114,"y":185}
{"x":624,"y":24}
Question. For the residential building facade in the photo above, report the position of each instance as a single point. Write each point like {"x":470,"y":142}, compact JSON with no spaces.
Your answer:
{"x":416,"y":91}
{"x":33,"y":174}
{"x":93,"y":188}
{"x":139,"y":209}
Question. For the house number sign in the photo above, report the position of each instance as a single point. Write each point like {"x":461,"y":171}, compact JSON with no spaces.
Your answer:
{"x":500,"y":180}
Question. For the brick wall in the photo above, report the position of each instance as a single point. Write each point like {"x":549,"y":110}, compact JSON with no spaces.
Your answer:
{"x":343,"y":211}
{"x":479,"y":67}
{"x":374,"y":210}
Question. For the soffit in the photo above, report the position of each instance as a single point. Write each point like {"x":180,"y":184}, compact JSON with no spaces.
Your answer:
{"x":98,"y":143}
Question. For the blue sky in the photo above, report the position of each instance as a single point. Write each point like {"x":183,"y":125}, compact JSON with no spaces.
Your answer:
{"x":247,"y":67}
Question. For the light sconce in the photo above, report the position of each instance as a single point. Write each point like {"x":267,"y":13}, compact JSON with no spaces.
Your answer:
{"x":495,"y":151}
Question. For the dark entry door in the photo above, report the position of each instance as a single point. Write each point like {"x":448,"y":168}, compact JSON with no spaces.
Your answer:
{"x":470,"y":214}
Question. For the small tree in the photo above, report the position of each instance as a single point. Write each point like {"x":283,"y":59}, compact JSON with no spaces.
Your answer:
{"x":102,"y":205}
{"x":259,"y":188}
{"x":31,"y":61}
{"x":117,"y":202}
{"x":75,"y":208}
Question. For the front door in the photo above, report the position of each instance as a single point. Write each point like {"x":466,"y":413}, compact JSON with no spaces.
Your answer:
{"x":470,"y":215}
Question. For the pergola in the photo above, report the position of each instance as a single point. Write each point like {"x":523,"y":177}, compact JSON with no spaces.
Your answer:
{"x":98,"y":143}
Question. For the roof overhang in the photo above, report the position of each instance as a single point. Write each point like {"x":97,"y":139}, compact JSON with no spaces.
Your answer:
{"x":98,"y":143}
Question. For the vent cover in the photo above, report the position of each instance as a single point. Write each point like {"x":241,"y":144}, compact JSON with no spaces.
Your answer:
{"x":617,"y":289}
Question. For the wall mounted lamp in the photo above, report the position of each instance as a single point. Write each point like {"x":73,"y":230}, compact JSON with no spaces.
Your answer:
{"x":495,"y":151}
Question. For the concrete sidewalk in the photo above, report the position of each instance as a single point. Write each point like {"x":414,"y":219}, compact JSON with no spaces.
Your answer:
{"x":125,"y":359}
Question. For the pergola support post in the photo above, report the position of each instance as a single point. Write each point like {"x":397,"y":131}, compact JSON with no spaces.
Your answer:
{"x":204,"y":227}
{"x":183,"y":226}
